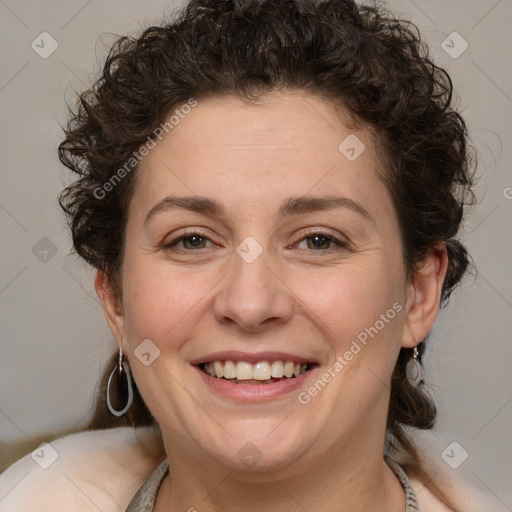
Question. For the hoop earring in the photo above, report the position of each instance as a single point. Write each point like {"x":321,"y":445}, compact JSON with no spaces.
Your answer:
{"x":121,"y":367}
{"x":414,"y":368}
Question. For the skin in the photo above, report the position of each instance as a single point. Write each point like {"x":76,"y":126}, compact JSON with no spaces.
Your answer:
{"x":326,"y":455}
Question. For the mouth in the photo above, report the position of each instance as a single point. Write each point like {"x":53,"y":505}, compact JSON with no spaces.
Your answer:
{"x":261,"y":372}
{"x":255,"y":377}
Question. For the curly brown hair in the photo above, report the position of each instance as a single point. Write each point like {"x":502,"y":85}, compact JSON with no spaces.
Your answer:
{"x":359,"y":57}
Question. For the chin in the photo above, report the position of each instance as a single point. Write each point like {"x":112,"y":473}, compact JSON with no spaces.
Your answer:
{"x":260,"y":445}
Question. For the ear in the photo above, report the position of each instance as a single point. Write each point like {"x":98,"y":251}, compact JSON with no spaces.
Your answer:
{"x":111,"y":305}
{"x":424,"y":296}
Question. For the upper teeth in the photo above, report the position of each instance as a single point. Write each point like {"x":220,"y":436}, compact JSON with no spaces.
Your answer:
{"x":262,"y":370}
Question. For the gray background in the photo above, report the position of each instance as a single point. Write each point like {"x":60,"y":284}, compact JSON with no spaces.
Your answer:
{"x":53,"y":335}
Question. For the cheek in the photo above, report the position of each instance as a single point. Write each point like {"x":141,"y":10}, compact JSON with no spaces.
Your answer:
{"x":350,"y":299}
{"x":160,"y":304}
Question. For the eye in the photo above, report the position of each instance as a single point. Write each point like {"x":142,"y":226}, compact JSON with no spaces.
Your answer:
{"x":321,"y":242}
{"x":317,"y":241}
{"x":190,"y":241}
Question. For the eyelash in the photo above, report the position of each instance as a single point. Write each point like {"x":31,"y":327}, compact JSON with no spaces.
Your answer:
{"x":330,"y":238}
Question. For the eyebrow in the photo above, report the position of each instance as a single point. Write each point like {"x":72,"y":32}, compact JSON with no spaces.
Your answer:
{"x":291,"y":206}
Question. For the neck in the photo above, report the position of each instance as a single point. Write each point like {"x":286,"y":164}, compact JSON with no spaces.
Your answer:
{"x":347,"y":480}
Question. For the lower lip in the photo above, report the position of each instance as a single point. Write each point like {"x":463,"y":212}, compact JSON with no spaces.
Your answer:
{"x":253,"y":392}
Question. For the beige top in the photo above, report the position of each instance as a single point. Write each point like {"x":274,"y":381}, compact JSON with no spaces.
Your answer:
{"x":106,"y":469}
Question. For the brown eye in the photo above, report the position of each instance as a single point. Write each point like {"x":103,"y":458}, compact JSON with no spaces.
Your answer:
{"x":187,"y":243}
{"x":321,"y":242}
{"x":195,"y":242}
{"x":318,"y":242}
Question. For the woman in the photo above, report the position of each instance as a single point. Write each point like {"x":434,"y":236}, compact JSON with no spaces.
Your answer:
{"x":271,"y":194}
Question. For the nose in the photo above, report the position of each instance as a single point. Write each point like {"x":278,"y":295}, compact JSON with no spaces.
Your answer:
{"x":253,"y":295}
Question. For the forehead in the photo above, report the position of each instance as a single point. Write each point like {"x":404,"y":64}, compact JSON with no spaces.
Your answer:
{"x":288,"y":144}
{"x":283,"y":122}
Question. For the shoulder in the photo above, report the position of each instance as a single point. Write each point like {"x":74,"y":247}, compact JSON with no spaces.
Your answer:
{"x":92,"y":470}
{"x":459,"y":487}
{"x":461,"y":495}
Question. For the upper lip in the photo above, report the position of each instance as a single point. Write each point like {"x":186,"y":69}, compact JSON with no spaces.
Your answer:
{"x":251,"y":357}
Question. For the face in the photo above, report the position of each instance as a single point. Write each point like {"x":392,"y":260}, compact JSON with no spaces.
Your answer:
{"x":284,"y":256}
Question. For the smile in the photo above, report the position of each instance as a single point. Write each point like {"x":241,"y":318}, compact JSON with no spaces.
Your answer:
{"x":262,"y":372}
{"x":255,"y":376}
